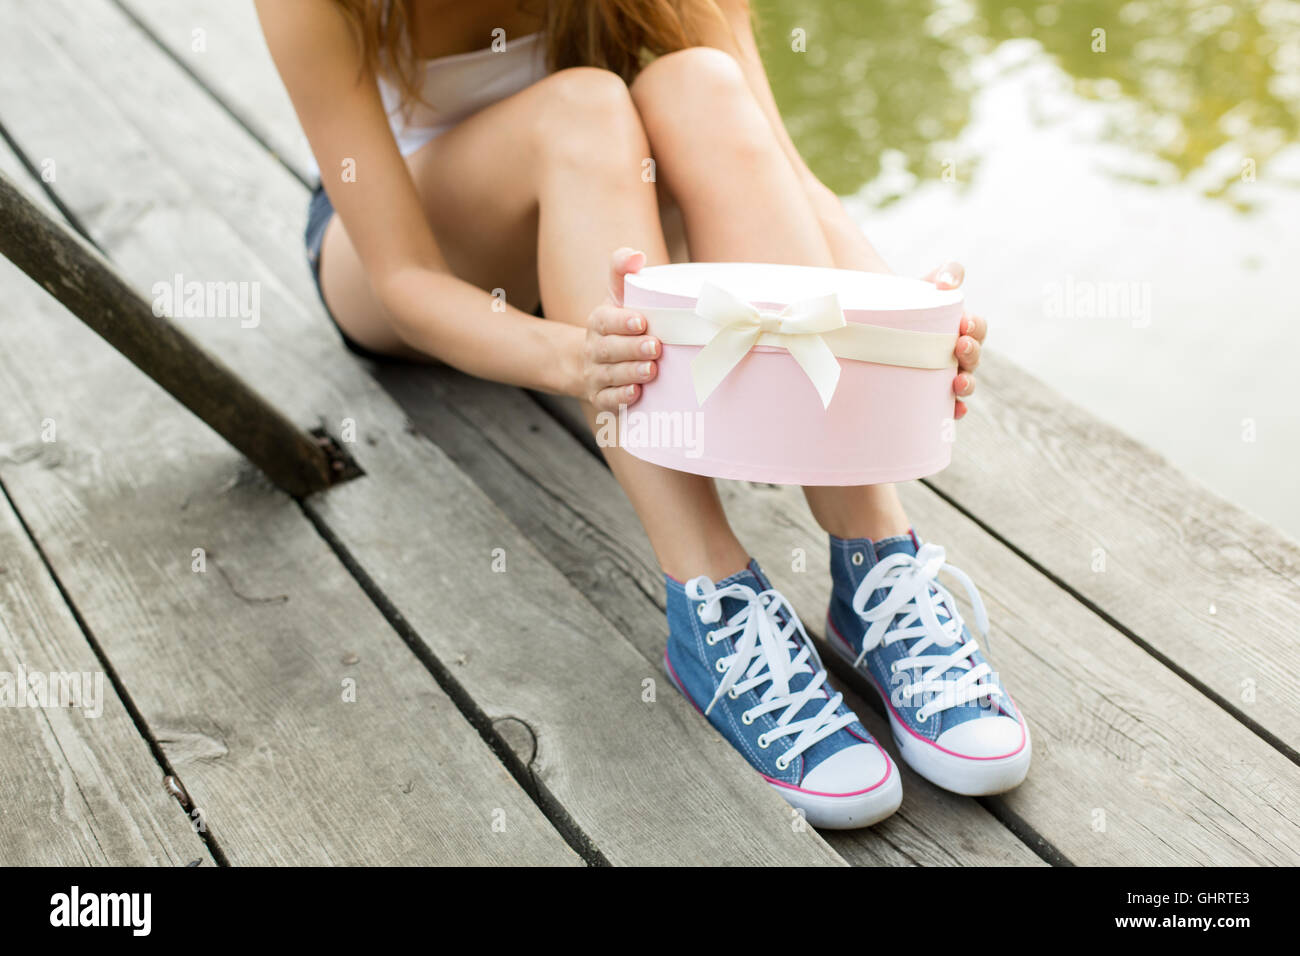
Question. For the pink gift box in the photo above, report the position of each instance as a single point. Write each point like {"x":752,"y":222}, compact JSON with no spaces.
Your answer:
{"x":765,"y":419}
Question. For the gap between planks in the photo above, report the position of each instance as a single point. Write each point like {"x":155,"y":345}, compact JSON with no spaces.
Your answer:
{"x":415,"y":466}
{"x":139,"y":3}
{"x":1212,"y":550}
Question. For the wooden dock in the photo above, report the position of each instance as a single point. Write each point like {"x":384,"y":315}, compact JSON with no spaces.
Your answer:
{"x":354,"y":679}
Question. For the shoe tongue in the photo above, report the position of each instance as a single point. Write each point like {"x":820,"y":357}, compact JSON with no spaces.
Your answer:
{"x":901,"y":544}
{"x":751,"y":577}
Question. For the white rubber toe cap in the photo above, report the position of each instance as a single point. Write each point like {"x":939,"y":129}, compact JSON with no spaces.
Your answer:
{"x":984,"y":738}
{"x":848,"y":771}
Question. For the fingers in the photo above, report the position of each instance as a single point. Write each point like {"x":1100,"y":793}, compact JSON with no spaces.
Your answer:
{"x":950,"y":275}
{"x":968,"y":353}
{"x":619,"y":356}
{"x":960,"y":410}
{"x":615,"y":374}
{"x":612,"y":349}
{"x":963,"y":385}
{"x":623,"y":262}
{"x":975,"y":327}
{"x":616,"y":320}
{"x":611,"y":399}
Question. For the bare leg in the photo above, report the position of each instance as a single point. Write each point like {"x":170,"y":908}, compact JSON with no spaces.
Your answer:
{"x":742,"y":201}
{"x":531,"y":195}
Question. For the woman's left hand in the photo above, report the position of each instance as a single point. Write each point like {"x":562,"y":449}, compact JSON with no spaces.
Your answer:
{"x":970,"y":336}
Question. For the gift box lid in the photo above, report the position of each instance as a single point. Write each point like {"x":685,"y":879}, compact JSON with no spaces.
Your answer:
{"x":771,"y":284}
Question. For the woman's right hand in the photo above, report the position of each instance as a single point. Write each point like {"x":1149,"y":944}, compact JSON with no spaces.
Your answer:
{"x":618,"y":358}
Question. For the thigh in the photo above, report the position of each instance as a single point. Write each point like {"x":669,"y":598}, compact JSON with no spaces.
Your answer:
{"x":478,"y":187}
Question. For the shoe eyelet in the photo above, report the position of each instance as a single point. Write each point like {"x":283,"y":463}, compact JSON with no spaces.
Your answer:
{"x":711,"y":638}
{"x":720,"y":666}
{"x":782,"y":763}
{"x":699,"y":611}
{"x":746,"y":718}
{"x":763,"y":743}
{"x":921,"y":717}
{"x":732,"y":694}
{"x":857,"y":558}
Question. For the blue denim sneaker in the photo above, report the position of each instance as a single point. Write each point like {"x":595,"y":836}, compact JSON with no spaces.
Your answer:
{"x":738,"y":652}
{"x":954,"y":722}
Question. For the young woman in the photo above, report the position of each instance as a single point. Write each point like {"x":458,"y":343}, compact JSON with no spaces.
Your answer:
{"x":478,"y":159}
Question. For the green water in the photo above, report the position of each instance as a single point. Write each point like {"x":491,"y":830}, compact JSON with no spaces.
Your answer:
{"x":1187,"y":78}
{"x":1089,"y":145}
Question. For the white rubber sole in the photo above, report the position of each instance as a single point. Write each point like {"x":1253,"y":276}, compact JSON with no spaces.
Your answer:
{"x":969,"y":776}
{"x":847,"y":811}
{"x":839,"y":811}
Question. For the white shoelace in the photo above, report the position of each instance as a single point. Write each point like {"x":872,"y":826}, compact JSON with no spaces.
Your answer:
{"x":766,"y":653}
{"x":912,"y":590}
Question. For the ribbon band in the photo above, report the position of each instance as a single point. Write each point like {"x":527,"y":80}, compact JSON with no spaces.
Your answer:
{"x":814,"y":332}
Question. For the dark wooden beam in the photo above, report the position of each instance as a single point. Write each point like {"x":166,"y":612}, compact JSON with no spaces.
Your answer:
{"x":72,"y":271}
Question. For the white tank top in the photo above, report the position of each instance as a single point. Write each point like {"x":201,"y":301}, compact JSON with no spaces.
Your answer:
{"x":453,"y":87}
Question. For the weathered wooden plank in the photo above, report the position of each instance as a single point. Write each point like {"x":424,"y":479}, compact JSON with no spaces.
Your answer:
{"x":568,"y":540}
{"x":189,"y":191}
{"x":1209,"y":587}
{"x":1120,"y":741}
{"x":236,"y":654}
{"x":237,"y":631}
{"x":59,"y":260}
{"x":569,"y":504}
{"x":221,"y":43}
{"x":78,"y":785}
{"x":74,"y":790}
{"x":619,"y":569}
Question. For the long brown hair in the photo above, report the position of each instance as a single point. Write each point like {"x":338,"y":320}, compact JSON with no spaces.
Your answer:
{"x":616,"y":35}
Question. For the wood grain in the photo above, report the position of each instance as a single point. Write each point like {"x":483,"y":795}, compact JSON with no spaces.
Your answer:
{"x":1208,"y":587}
{"x":235,"y":630}
{"x":1068,"y":475}
{"x":78,"y":785}
{"x":190,"y":192}
{"x":231,"y":624}
{"x":569,"y":504}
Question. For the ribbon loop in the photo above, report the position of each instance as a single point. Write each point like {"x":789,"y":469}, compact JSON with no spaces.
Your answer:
{"x":741,"y":327}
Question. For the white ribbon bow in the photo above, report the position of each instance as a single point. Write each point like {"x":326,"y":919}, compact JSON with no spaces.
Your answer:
{"x":798,"y":328}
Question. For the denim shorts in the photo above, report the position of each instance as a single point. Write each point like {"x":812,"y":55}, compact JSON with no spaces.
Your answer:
{"x":319,"y":213}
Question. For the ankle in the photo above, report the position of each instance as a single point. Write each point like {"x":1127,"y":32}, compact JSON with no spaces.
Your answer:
{"x":713,"y":563}
{"x":871,"y":511}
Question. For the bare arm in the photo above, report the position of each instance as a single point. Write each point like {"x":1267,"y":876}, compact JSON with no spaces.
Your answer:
{"x":338,"y":104}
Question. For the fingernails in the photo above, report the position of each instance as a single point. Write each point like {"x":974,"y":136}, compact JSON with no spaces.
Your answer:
{"x":967,"y":346}
{"x":630,"y":392}
{"x":649,"y":348}
{"x":644,"y":369}
{"x":946,"y":277}
{"x":635,"y":323}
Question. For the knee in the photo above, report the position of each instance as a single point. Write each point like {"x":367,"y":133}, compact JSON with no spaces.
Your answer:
{"x":700,"y":93}
{"x":698,"y":77}
{"x":587,"y":117}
